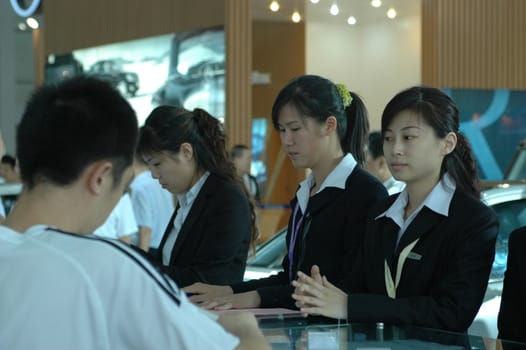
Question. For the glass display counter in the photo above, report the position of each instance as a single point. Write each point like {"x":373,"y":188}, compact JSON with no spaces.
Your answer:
{"x":298,"y":333}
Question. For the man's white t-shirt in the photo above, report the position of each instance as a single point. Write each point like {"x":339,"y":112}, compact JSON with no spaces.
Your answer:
{"x":121,"y":221}
{"x":66,"y":291}
{"x":153,"y":205}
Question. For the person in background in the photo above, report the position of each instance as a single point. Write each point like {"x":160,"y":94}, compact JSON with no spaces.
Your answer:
{"x":242,"y":157}
{"x":512,"y":314}
{"x":213,"y":226}
{"x":322,"y":127}
{"x":74,"y":290}
{"x":8,"y":169}
{"x":153,"y":206}
{"x":2,"y":211}
{"x":2,"y":152}
{"x":428,"y":251}
{"x":376,"y":164}
{"x":121,"y":223}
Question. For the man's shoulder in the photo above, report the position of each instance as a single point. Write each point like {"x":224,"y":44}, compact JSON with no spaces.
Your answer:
{"x":87,"y":252}
{"x":9,"y":235}
{"x":100,"y":260}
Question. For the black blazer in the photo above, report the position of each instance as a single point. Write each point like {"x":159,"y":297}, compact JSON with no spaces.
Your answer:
{"x":212,"y":246}
{"x":443,"y":280}
{"x":512,"y":314}
{"x":331,"y":235}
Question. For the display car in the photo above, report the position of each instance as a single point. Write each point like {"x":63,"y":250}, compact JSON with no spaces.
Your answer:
{"x":196,"y":73}
{"x":112,"y":70}
{"x":509,"y":202}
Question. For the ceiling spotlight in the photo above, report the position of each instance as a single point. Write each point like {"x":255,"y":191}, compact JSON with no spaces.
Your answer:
{"x":315,"y":1}
{"x":22,"y":26}
{"x":351,"y":20}
{"x":296,"y":17}
{"x":32,"y":23}
{"x":376,"y":3}
{"x":391,"y":13}
{"x":274,"y":6}
{"x":334,"y":9}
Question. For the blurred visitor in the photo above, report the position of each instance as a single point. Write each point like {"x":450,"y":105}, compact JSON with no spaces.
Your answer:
{"x":376,"y":164}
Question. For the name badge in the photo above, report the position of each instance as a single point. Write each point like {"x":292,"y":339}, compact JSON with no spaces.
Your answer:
{"x":414,"y":256}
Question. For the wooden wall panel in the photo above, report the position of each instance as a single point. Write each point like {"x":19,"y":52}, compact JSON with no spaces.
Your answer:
{"x":278,"y":49}
{"x":71,"y":25}
{"x":474,"y":43}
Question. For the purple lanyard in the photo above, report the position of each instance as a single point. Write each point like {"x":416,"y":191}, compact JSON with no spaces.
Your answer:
{"x":293,"y":237}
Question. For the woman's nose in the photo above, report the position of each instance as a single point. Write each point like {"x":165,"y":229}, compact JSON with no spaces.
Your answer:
{"x":394,"y":147}
{"x":155,"y":175}
{"x":286,"y":138}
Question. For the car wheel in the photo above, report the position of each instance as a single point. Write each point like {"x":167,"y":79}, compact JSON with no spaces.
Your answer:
{"x":132,"y":89}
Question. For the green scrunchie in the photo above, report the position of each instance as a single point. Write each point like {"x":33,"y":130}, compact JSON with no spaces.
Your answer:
{"x":344,"y":94}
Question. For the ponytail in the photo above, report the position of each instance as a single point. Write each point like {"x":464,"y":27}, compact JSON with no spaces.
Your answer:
{"x":210,"y":147}
{"x":215,"y":159}
{"x":357,"y":131}
{"x":461,"y":166}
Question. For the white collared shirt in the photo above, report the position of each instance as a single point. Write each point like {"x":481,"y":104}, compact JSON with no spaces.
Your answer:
{"x":438,"y":200}
{"x":185,"y":200}
{"x":393,"y":186}
{"x":336,"y":178}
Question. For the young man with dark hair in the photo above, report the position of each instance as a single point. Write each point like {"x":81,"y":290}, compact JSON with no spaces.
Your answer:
{"x":8,"y":169}
{"x":75,"y":146}
{"x":376,"y":164}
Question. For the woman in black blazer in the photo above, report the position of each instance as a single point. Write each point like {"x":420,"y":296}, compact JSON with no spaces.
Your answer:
{"x":211,"y":230}
{"x":427,"y":252}
{"x":512,"y":314}
{"x":322,"y":128}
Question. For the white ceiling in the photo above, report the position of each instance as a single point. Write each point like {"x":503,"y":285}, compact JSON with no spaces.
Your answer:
{"x":361,"y":9}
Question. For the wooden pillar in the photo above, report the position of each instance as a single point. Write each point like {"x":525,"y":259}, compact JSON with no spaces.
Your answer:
{"x":474,"y":44}
{"x":238,"y":94}
{"x":39,"y":56}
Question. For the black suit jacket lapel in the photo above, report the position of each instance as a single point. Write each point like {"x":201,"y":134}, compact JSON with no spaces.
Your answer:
{"x":192,"y":216}
{"x":169,"y":227}
{"x":424,"y":222}
{"x":320,"y":200}
{"x":389,"y":234}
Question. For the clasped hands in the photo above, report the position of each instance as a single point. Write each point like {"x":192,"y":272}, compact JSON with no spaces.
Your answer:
{"x":315,"y":295}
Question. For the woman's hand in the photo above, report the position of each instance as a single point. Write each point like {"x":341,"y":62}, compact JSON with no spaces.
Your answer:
{"x":317,"y":296}
{"x":235,"y":301}
{"x":201,"y":292}
{"x":316,"y":275}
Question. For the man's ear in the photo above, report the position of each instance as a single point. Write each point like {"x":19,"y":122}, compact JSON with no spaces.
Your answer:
{"x":98,"y":175}
{"x":186,"y":151}
{"x":331,"y":124}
